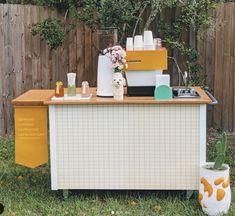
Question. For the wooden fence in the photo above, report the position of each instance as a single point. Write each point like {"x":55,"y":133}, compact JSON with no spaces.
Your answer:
{"x":26,"y":62}
{"x":218,"y":61}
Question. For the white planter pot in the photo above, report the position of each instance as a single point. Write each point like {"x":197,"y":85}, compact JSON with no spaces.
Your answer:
{"x":214,"y":190}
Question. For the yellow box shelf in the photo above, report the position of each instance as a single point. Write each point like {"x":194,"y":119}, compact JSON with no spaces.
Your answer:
{"x":144,"y":60}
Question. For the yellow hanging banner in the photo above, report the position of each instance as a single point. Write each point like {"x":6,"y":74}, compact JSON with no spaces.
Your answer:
{"x":31,"y":135}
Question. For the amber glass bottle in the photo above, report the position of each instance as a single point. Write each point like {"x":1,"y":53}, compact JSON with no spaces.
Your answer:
{"x":59,"y":89}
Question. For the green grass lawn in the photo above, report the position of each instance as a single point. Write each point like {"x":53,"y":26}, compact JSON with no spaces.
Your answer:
{"x":27,"y":192}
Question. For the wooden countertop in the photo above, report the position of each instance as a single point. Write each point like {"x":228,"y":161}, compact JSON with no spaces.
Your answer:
{"x":34,"y":97}
{"x":40,"y":97}
{"x":204,"y":99}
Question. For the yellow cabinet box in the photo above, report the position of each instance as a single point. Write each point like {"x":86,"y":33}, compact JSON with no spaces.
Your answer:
{"x":147,"y":60}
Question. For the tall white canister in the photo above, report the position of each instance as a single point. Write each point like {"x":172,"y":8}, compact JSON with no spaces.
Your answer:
{"x":104,"y":77}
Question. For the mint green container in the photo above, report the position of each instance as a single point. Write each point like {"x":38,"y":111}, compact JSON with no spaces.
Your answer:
{"x":163,"y":92}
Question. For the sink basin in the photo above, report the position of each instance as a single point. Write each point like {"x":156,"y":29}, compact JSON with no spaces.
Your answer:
{"x":183,"y":92}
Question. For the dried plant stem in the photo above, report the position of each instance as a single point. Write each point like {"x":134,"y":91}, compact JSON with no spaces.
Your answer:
{"x":178,"y":69}
{"x":153,"y":14}
{"x":65,"y":15}
{"x":138,"y":19}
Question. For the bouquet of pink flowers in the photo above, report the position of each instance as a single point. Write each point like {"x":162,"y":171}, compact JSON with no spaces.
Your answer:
{"x":117,"y":56}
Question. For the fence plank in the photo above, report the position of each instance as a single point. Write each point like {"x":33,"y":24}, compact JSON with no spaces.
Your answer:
{"x":23,"y":72}
{"x":218,"y":69}
{"x":8,"y":69}
{"x":2,"y":122}
{"x":72,"y":50}
{"x":64,"y":57}
{"x":27,"y":72}
{"x":94,"y":59}
{"x":88,"y":54}
{"x":80,"y":52}
{"x":45,"y":55}
{"x":36,"y":51}
{"x":202,"y":49}
{"x":209,"y":72}
{"x":225,"y":70}
{"x":229,"y":85}
{"x":17,"y":29}
{"x":232,"y":54}
{"x":210,"y":59}
{"x":55,"y":65}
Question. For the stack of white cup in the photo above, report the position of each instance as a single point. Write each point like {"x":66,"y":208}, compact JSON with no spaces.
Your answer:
{"x":140,"y":42}
{"x":129,"y":44}
{"x":148,"y":40}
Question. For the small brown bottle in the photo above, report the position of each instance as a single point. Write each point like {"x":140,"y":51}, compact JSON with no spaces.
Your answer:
{"x":59,"y":89}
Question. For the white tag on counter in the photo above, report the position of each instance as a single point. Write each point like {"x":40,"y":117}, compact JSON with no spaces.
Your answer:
{"x":71,"y":98}
{"x":162,"y":79}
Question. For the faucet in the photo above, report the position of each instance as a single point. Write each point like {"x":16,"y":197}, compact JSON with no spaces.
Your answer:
{"x":184,"y":75}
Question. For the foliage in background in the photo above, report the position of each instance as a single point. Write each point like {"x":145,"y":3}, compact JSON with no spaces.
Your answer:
{"x":53,"y":31}
{"x":85,"y":11}
{"x":155,"y":7}
{"x":120,"y":14}
{"x":193,"y":16}
{"x":132,"y":17}
{"x":18,"y":1}
{"x":127,"y":17}
{"x":50,"y":3}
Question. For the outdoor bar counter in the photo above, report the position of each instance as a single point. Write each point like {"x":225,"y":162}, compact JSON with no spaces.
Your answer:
{"x":101,"y":143}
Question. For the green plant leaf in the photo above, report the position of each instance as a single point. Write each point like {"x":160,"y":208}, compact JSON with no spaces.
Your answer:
{"x":220,"y":152}
{"x":219,"y":162}
{"x":218,"y":147}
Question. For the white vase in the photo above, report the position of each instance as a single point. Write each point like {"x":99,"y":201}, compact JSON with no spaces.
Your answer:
{"x":214,"y":190}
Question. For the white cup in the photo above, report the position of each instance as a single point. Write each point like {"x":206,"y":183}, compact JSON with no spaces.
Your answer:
{"x":129,"y":43}
{"x":148,"y":38}
{"x":138,"y":42}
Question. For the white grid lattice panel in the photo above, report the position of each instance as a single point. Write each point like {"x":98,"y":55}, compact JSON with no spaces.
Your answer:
{"x":127,"y":146}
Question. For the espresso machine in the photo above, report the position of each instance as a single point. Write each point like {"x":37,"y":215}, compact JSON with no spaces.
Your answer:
{"x":143,"y":66}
